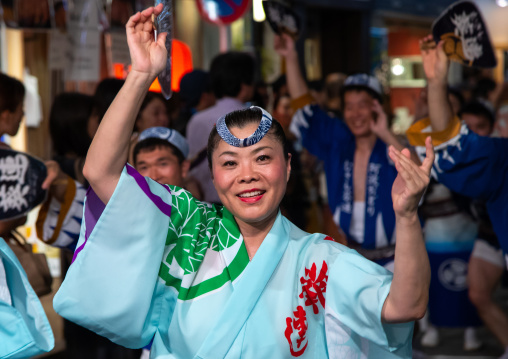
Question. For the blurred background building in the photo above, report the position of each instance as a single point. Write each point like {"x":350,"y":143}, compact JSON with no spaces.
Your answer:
{"x":73,"y":44}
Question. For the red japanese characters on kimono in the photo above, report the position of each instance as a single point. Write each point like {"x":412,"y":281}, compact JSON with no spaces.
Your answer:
{"x":312,"y":289}
{"x":299,"y":323}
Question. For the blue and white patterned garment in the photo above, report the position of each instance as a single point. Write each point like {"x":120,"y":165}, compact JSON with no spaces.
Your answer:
{"x":24,"y":327}
{"x":330,"y":140}
{"x":155,"y":264}
{"x":471,"y":165}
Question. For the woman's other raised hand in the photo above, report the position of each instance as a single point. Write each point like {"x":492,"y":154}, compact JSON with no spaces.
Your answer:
{"x":147,"y":55}
{"x":412,"y":180}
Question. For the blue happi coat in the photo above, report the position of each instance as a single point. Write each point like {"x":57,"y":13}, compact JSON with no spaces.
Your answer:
{"x":331,"y":141}
{"x":471,"y":165}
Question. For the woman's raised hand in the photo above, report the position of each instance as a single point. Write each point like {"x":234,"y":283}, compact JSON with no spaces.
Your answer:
{"x":147,"y":55}
{"x":411,"y":181}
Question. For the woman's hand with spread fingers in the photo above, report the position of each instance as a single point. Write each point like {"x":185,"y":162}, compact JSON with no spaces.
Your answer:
{"x":412,"y":180}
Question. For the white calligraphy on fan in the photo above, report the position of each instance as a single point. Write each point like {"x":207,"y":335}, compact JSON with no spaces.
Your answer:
{"x":468,"y":24}
{"x":13,"y":169}
{"x":285,"y":20}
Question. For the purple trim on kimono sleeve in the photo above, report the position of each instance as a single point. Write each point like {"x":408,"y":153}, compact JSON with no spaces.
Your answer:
{"x":94,"y":206}
{"x":93,"y":210}
{"x":143,"y":184}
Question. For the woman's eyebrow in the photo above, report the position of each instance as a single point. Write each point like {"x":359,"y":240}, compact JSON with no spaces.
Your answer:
{"x":260,"y":149}
{"x":230,"y":153}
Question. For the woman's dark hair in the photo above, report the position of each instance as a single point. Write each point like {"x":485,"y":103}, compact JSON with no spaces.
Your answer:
{"x":105,"y":93}
{"x":240,"y":119}
{"x":280,"y":82}
{"x":150,"y":96}
{"x":12,"y":93}
{"x":277,"y":99}
{"x":152,"y":143}
{"x":68,"y":122}
{"x":457,"y":94}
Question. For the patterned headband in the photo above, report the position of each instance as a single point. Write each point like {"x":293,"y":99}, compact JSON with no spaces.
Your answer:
{"x":164,"y":133}
{"x":261,"y":131}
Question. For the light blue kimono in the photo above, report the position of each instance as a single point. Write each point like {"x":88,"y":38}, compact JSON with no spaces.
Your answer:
{"x":157,"y":264}
{"x":24,"y":328}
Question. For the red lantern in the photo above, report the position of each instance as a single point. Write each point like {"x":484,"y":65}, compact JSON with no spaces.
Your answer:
{"x":181,"y":56}
{"x":182,"y":63}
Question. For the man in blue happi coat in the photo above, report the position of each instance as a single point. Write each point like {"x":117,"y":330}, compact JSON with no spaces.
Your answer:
{"x":358,"y":170}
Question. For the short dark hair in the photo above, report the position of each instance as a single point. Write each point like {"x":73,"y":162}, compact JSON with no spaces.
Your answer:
{"x":105,"y":93}
{"x":192,"y":86}
{"x":68,"y":121}
{"x":240,"y":119}
{"x":316,"y":85}
{"x":277,"y":99}
{"x":152,"y":143}
{"x":483,"y":87}
{"x":477,"y":108}
{"x":354,"y":88}
{"x":279,"y":83}
{"x":457,"y":94}
{"x":12,"y":93}
{"x":229,"y":71}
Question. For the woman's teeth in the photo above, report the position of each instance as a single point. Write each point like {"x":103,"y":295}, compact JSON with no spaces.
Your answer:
{"x":251,"y":194}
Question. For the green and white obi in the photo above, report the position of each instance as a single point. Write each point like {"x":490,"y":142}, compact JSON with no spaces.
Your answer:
{"x":157,"y":265}
{"x":199,"y":237}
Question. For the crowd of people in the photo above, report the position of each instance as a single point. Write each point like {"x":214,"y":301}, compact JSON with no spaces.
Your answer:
{"x":237,"y":221}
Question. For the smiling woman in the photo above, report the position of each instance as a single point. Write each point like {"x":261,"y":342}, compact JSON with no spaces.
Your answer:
{"x":238,"y":279}
{"x":250,"y":181}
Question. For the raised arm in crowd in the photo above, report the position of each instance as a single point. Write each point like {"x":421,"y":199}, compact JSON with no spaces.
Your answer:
{"x":109,"y":150}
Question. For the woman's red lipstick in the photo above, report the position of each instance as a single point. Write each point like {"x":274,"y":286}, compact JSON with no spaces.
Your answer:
{"x":251,"y":199}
